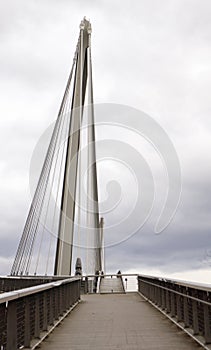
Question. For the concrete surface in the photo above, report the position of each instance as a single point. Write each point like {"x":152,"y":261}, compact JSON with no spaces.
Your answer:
{"x":117,"y":321}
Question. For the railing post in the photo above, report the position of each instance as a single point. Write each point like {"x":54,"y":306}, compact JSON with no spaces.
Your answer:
{"x":68,"y":296}
{"x":163,"y":299}
{"x":207,"y":328}
{"x":195,"y":317}
{"x":45,"y":312}
{"x":155,"y":295}
{"x":168,"y":305}
{"x":148,"y":291}
{"x":186,"y":316}
{"x":179,"y":309}
{"x":56,"y":303}
{"x":159,"y":296}
{"x":172,"y":312}
{"x":61,"y":300}
{"x":145,"y":289}
{"x":12,"y":326}
{"x":51,"y":308}
{"x":65,"y":298}
{"x":86,"y":285}
{"x":37,"y":316}
{"x":74,"y":292}
{"x":27,"y":323}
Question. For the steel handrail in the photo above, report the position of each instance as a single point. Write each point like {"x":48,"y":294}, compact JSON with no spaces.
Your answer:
{"x":197,"y":285}
{"x":20,"y":293}
{"x":176,"y":292}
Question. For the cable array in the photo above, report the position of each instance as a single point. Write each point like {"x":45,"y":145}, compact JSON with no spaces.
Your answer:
{"x":39,"y":209}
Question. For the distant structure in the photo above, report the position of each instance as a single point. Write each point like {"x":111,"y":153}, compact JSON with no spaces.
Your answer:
{"x":78,"y":267}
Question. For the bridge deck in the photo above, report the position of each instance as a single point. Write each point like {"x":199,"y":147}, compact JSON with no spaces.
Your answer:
{"x":125,"y":322}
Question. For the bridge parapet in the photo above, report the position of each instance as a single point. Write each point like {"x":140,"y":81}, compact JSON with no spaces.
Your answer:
{"x":186,"y":304}
{"x":30,"y":313}
{"x":11,"y":283}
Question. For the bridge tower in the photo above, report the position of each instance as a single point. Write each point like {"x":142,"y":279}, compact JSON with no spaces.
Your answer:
{"x":83,"y":82}
{"x":79,"y":90}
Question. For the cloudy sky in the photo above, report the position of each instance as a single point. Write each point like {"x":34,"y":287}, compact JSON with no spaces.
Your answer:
{"x":152,"y":55}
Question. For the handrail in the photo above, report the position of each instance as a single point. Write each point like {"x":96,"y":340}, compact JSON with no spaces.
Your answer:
{"x":20,"y":293}
{"x":186,"y":304}
{"x":199,"y":285}
{"x":190,"y":284}
{"x":33,"y":277}
{"x":112,"y":274}
{"x":178,"y":293}
{"x":27,"y":313}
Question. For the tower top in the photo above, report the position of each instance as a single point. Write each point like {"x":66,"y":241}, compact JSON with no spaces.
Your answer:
{"x":86,"y":25}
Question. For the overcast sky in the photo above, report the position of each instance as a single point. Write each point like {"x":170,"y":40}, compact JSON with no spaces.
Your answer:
{"x":152,"y":55}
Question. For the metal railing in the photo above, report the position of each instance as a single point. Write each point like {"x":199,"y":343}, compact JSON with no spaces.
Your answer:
{"x":10,"y":283}
{"x":188,"y":304}
{"x":26,"y":313}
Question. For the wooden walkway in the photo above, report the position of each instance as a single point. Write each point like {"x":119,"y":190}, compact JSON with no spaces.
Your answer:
{"x":114,"y":321}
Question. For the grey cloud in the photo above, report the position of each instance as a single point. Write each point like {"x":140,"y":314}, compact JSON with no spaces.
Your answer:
{"x":152,"y":55}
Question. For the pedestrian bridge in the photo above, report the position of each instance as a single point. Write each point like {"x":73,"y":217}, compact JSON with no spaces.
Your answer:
{"x":60,"y":313}
{"x":94,"y":311}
